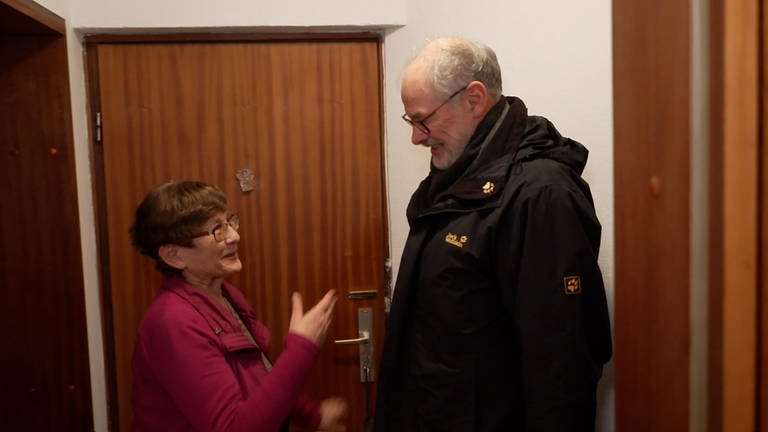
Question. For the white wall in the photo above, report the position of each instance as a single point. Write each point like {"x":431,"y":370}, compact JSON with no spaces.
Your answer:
{"x":555,"y":54}
{"x":235,"y":13}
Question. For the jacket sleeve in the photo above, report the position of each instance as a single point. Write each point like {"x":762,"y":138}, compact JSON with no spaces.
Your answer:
{"x":184,"y":356}
{"x":553,"y":287}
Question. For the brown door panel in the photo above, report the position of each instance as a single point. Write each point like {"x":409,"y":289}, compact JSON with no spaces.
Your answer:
{"x":304,"y":117}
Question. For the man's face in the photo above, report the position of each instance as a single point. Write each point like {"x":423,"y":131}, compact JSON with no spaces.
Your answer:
{"x":442,"y":124}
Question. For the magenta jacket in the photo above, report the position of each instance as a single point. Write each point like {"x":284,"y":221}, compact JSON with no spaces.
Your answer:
{"x":195,"y":370}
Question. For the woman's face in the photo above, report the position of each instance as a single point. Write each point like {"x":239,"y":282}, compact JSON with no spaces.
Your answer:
{"x":208,"y":259}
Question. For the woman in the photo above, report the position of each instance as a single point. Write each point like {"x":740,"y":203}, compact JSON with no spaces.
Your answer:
{"x":199,"y":363}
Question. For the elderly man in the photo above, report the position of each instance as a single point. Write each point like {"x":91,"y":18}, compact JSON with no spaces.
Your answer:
{"x":499,"y":319}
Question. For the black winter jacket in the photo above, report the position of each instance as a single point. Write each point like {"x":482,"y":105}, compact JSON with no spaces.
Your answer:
{"x":499,"y":319}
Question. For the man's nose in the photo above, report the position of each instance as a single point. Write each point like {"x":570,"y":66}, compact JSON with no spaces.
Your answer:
{"x":418,"y":136}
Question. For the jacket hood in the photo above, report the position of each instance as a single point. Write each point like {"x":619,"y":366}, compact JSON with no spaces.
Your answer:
{"x":541,"y":140}
{"x":506,"y":137}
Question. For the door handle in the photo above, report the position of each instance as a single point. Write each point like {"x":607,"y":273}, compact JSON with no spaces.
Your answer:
{"x":365,"y":338}
{"x":361,"y":294}
{"x":364,"y":341}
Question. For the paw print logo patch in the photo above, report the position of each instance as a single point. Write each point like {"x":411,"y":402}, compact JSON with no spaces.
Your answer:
{"x":572,"y":285}
{"x":456,"y":240}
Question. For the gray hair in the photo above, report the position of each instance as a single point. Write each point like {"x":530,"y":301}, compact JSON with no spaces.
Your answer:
{"x":454,"y":62}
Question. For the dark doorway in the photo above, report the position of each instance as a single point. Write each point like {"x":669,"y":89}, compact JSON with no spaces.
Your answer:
{"x":44,"y":364}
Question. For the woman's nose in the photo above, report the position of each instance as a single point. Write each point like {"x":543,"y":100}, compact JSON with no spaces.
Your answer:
{"x":232,"y":235}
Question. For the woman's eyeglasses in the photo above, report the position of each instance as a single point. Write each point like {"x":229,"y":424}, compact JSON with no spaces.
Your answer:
{"x":220,"y":230}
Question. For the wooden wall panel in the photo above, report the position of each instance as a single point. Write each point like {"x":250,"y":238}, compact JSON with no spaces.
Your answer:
{"x":762,"y":392}
{"x":652,"y":111}
{"x":652,"y":213}
{"x":734,"y":185}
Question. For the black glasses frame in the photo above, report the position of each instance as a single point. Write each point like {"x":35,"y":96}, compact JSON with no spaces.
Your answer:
{"x":421,"y":124}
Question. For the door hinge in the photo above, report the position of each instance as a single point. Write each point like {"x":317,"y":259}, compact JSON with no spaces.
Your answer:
{"x":97,"y":131}
{"x":387,"y":285}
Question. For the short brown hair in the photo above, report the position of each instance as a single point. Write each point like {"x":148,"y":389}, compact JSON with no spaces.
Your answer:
{"x":171,"y":214}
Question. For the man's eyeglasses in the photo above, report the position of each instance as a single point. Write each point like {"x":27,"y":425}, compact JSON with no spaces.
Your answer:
{"x":421,"y":124}
{"x":220,"y":230}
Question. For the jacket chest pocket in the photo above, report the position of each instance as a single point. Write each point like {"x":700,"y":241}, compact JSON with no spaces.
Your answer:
{"x":236,"y":341}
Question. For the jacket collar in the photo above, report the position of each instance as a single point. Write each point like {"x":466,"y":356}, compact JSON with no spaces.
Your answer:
{"x":218,"y":317}
{"x":482,"y":168}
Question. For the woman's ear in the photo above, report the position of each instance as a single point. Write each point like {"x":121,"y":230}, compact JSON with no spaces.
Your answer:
{"x":169,"y":253}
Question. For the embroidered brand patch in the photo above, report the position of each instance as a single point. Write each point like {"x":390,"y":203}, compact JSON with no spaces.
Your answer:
{"x":572,"y":285}
{"x":456,"y":240}
{"x":488,"y":188}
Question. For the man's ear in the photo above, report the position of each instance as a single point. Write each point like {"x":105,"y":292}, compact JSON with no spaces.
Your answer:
{"x":477,"y":95}
{"x":169,"y":253}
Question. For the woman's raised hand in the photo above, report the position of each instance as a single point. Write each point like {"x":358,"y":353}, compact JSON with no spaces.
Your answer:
{"x":313,"y":324}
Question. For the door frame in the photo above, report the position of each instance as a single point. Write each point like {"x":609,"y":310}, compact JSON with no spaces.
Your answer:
{"x":735,"y":194}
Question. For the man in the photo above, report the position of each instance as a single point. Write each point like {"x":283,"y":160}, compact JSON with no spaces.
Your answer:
{"x":499,"y":319}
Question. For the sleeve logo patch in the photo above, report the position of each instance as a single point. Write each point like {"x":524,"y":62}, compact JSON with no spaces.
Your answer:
{"x":572,"y":285}
{"x":455,"y":239}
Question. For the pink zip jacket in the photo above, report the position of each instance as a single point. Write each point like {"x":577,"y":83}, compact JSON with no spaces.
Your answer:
{"x":195,"y":370}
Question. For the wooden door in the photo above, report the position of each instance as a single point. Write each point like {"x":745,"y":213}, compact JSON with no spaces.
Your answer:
{"x":651,"y":73}
{"x":44,"y":375}
{"x":305,"y":117}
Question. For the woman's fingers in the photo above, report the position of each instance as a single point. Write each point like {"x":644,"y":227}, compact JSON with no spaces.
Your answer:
{"x":315,"y":322}
{"x":297,"y":311}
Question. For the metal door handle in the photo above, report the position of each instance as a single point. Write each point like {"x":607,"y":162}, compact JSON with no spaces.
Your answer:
{"x":364,"y":343}
{"x":365,"y":338}
{"x":361,"y":294}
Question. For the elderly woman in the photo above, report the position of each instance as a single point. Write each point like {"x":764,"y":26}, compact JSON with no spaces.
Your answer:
{"x":199,"y":363}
